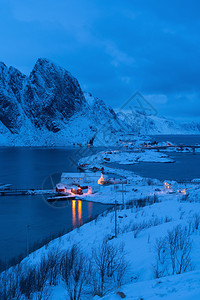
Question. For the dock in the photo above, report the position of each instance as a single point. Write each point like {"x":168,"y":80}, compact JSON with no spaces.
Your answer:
{"x":61,"y":198}
{"x":22,"y":192}
{"x":54,"y":196}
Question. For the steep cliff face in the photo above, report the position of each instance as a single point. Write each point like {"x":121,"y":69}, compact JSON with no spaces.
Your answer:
{"x":49,"y":107}
{"x":11,"y":83}
{"x":47,"y":97}
{"x":51,"y":95}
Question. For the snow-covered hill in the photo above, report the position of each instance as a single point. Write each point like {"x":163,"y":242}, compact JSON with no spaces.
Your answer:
{"x":154,"y":125}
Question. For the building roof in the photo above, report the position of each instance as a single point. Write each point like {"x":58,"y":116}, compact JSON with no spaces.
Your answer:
{"x":73,"y":175}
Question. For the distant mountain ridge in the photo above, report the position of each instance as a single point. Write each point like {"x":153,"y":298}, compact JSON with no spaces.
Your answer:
{"x":49,"y":108}
{"x":157,"y":125}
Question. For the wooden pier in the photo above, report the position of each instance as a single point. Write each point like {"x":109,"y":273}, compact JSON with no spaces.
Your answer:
{"x":54,"y":196}
{"x":62,"y":198}
{"x":22,"y":192}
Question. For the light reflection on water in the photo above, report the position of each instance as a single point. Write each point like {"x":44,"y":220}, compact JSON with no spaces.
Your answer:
{"x":77,"y":218}
{"x":80,"y":220}
{"x":74,"y":213}
{"x":29,"y":168}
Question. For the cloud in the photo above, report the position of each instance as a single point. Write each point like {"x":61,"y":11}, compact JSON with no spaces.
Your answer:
{"x":156,"y":99}
{"x":113,"y":48}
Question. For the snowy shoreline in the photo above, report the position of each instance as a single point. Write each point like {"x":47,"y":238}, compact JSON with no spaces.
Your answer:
{"x":147,"y":210}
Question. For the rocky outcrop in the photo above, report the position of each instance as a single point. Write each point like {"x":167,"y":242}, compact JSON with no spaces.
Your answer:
{"x":49,"y":103}
{"x":47,"y":97}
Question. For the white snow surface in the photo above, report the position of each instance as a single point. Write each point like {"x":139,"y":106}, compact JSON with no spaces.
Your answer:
{"x":155,"y":125}
{"x":139,"y":251}
{"x":173,"y":208}
{"x":48,"y":108}
{"x":127,"y":157}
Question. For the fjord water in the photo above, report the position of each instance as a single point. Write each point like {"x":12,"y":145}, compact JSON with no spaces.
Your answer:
{"x":42,"y":167}
{"x":178,"y":139}
{"x":185,"y":167}
{"x":32,"y":218}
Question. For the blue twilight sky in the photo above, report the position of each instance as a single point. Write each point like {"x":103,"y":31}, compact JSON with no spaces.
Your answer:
{"x":113,"y":47}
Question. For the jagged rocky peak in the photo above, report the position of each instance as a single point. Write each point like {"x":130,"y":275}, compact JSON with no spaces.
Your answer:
{"x":56,"y":88}
{"x":52,"y":76}
{"x":2,"y":66}
{"x":3,"y":74}
{"x":46,"y":102}
{"x":7,"y":72}
{"x":48,"y":97}
{"x":10,"y":89}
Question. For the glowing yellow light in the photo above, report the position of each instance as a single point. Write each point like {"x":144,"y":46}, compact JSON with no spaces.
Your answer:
{"x":167,"y":185}
{"x":184,"y":191}
{"x":101,"y":179}
{"x":80,"y":221}
{"x":74,"y":213}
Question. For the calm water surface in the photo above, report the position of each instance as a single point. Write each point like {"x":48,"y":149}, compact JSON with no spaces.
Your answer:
{"x":186,"y":166}
{"x":37,"y":168}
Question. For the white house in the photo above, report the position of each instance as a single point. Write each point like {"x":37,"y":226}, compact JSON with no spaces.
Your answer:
{"x":80,"y":178}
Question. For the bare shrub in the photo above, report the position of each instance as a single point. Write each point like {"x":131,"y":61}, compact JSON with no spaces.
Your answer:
{"x":189,"y":226}
{"x":161,"y":266}
{"x":108,"y":265}
{"x":155,"y":199}
{"x":182,"y":214}
{"x":41,"y":277}
{"x":9,"y":287}
{"x":106,"y":271}
{"x":184,"y":198}
{"x":53,"y":259}
{"x":33,"y":280}
{"x":27,"y":282}
{"x":74,"y":272}
{"x":180,"y":248}
{"x":173,"y":252}
{"x":149,"y":181}
{"x":196,"y":221}
{"x":148,"y":240}
{"x":137,"y":227}
{"x":136,"y":232}
{"x":167,"y":219}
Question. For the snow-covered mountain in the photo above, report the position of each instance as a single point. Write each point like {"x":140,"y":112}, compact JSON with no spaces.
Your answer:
{"x":155,"y":125}
{"x":48,"y":107}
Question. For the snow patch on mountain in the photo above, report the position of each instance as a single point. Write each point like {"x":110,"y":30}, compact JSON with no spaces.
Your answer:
{"x":155,"y":125}
{"x":49,"y":108}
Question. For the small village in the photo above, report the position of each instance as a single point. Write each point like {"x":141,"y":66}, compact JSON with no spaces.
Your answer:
{"x":99,"y":150}
{"x":99,"y":181}
{"x":144,"y":212}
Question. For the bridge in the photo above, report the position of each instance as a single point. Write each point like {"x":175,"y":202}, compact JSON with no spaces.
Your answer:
{"x":193,"y":147}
